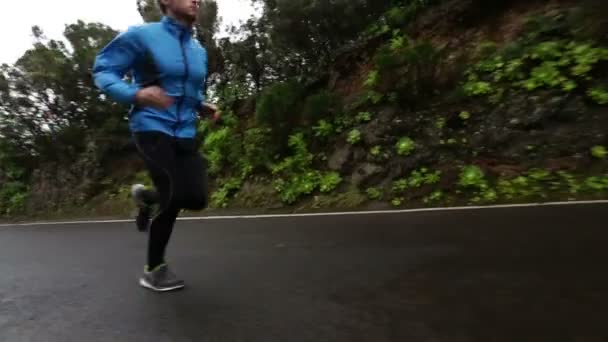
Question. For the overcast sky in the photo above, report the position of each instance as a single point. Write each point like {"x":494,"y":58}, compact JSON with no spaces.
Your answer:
{"x":18,"y":16}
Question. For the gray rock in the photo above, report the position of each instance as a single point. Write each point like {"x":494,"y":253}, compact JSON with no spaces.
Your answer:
{"x":363,"y":172}
{"x":340,"y":156}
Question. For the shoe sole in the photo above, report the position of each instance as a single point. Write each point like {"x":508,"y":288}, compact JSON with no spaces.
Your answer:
{"x":146,"y":284}
{"x":134,"y":190}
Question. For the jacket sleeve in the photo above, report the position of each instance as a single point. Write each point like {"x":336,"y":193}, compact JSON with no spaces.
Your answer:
{"x":113,"y":62}
{"x":203,"y":92}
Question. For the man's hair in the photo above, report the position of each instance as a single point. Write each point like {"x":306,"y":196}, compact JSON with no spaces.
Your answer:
{"x":163,"y":8}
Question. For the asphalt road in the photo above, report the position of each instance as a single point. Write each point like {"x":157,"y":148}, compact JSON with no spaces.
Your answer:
{"x":516,"y":274}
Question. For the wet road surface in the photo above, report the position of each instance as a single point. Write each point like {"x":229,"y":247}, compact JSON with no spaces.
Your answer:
{"x":508,"y":274}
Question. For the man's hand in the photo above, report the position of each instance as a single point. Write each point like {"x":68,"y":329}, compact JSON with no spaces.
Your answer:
{"x":153,"y":96}
{"x":211,"y":110}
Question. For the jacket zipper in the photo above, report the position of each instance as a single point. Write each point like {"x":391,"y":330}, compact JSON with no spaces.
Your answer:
{"x":185,"y":78}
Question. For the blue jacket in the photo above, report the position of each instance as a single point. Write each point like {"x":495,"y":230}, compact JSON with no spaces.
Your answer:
{"x":163,"y":53}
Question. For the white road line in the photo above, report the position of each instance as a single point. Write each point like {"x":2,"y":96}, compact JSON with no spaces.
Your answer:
{"x":345,"y":213}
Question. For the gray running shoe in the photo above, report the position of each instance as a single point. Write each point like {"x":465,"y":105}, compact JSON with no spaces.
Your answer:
{"x":161,"y":279}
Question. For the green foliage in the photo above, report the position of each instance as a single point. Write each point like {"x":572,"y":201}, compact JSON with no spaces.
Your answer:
{"x":416,"y":179}
{"x":599,"y":152}
{"x":374,"y":193}
{"x":295,"y":177}
{"x":477,"y":88}
{"x":323,"y":129}
{"x":406,"y":12}
{"x":440,"y":123}
{"x":464,"y":115}
{"x":228,"y":187}
{"x":343,"y":122}
{"x":277,"y":108}
{"x":293,"y":188}
{"x":376,"y":151}
{"x":397,"y":201}
{"x":536,"y":183}
{"x":372,"y":79}
{"x":364,"y":117}
{"x":354,"y":136}
{"x":407,"y":68}
{"x":215,"y":146}
{"x":321,"y":105}
{"x":405,"y":146}
{"x":596,"y":183}
{"x":13,"y":196}
{"x":435,"y":196}
{"x":599,"y":95}
{"x":257,"y":147}
{"x":329,"y":181}
{"x":538,"y":63}
{"x":472,"y":176}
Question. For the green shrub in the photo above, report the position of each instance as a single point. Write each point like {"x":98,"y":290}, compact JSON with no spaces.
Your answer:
{"x":216,"y":146}
{"x":228,"y":187}
{"x":464,"y":115}
{"x":323,"y":129}
{"x":354,"y":137}
{"x":407,"y":68}
{"x":416,"y":179}
{"x":329,"y":181}
{"x":278,"y":108}
{"x":550,"y":63}
{"x":599,"y":95}
{"x":472,"y":176}
{"x":405,"y":146}
{"x":13,"y":197}
{"x":374,"y":193}
{"x":258,"y":148}
{"x":295,"y":177}
{"x":364,"y":117}
{"x":375,"y":151}
{"x":320,"y":105}
{"x":435,"y":196}
{"x":599,"y":152}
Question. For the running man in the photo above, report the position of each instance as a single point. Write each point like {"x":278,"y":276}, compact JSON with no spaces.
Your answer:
{"x":169,"y":70}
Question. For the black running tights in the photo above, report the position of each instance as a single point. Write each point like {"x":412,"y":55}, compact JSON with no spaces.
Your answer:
{"x":179,"y":174}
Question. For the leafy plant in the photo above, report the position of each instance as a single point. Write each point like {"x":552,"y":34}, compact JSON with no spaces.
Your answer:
{"x":416,"y":179}
{"x":405,"y":146}
{"x":354,"y":136}
{"x":477,"y":88}
{"x":440,"y":123}
{"x":464,"y":115}
{"x":276,"y":108}
{"x":599,"y":152}
{"x":537,"y":63}
{"x":364,"y":117}
{"x":258,"y":150}
{"x":220,"y":197}
{"x":321,"y":105}
{"x":472,"y":176}
{"x":397,"y":201}
{"x":13,"y":196}
{"x":596,"y":183}
{"x":323,"y":129}
{"x":375,"y":151}
{"x":329,"y":181}
{"x":599,"y":95}
{"x":435,"y":196}
{"x":295,"y":177}
{"x":374,"y":193}
{"x":216,"y":146}
{"x":574,"y":187}
{"x":372,"y":79}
